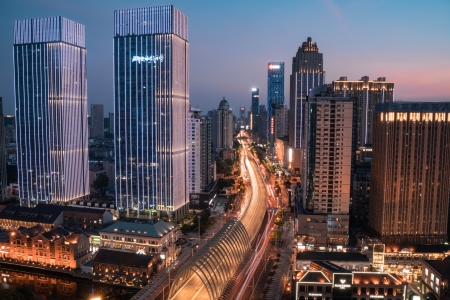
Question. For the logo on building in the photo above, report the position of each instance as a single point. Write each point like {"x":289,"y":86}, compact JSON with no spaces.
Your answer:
{"x":149,"y":59}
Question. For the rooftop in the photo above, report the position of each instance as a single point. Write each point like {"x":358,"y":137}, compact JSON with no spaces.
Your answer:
{"x":153,"y":229}
{"x":332,"y":256}
{"x":126,"y":258}
{"x":376,"y":278}
{"x":413,"y":107}
{"x":441,"y":266}
{"x":416,"y":248}
{"x":329,"y":266}
{"x":314,"y":276}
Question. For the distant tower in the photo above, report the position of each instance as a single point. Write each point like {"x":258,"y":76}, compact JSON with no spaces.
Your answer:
{"x":97,"y":121}
{"x":151,"y":79}
{"x":255,"y":110}
{"x":275,"y":89}
{"x":51,"y":109}
{"x":222,"y":127}
{"x":3,"y":183}
{"x":307,"y":73}
{"x":410,"y":186}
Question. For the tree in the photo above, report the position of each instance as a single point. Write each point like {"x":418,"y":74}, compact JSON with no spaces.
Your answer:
{"x":101,"y":183}
{"x":185,"y":229}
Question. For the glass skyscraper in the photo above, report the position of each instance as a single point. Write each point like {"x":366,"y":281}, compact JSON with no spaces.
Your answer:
{"x":255,"y":109}
{"x":151,"y":92}
{"x":51,"y":108}
{"x":307,"y":73}
{"x":275,"y":89}
{"x":2,"y":155}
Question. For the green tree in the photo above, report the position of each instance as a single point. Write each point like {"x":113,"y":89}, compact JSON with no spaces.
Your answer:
{"x":101,"y":183}
{"x":185,"y":229}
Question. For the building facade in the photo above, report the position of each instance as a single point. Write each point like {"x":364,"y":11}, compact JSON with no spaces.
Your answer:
{"x":3,"y":182}
{"x":57,"y":247}
{"x":409,"y":189}
{"x":307,"y":73}
{"x":326,"y":162}
{"x":255,"y":111}
{"x":222,"y":127}
{"x":97,"y":121}
{"x":275,"y":88}
{"x":201,"y":169}
{"x":111,"y":123}
{"x":51,"y":109}
{"x":367,"y":93}
{"x":435,"y":279}
{"x":151,"y":81}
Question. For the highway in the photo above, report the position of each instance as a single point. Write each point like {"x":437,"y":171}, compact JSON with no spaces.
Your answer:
{"x":209,"y":272}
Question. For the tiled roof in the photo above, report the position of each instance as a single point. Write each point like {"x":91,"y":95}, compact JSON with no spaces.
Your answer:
{"x":120,"y":258}
{"x":40,"y":215}
{"x":376,"y":278}
{"x":153,"y":229}
{"x":314,"y":276}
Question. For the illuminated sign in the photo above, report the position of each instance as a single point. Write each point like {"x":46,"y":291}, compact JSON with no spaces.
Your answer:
{"x":342,"y":285}
{"x":253,"y":90}
{"x":151,"y":58}
{"x":315,"y":295}
{"x":377,"y":296}
{"x":242,"y":108}
{"x":66,"y":243}
{"x":274,"y":66}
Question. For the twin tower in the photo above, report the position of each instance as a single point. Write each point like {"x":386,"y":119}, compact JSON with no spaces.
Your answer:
{"x":151,"y":100}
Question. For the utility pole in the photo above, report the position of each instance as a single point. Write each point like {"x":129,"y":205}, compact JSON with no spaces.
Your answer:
{"x":199,"y":217}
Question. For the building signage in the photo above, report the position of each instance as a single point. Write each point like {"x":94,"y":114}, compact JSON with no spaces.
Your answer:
{"x":315,"y":295}
{"x":343,"y":284}
{"x":377,"y":296}
{"x":149,"y":59}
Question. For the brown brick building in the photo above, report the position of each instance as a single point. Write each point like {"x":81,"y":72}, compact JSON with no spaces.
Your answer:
{"x":57,"y":247}
{"x":410,"y":186}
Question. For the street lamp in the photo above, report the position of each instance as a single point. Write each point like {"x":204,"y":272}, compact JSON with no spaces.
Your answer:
{"x":199,"y":217}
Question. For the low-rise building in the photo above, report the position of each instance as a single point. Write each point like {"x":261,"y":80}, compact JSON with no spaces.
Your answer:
{"x":326,"y":281}
{"x":435,"y":278}
{"x":352,"y":261}
{"x":57,"y":247}
{"x":129,"y":267}
{"x":142,"y":237}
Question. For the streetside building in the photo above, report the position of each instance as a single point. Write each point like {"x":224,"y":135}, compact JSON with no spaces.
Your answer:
{"x":435,"y":279}
{"x":410,"y":186}
{"x":57,"y":247}
{"x":142,"y":237}
{"x":50,"y":87}
{"x":151,"y":80}
{"x":326,"y":167}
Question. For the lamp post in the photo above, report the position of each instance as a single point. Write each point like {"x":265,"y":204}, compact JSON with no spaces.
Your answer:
{"x":199,"y":217}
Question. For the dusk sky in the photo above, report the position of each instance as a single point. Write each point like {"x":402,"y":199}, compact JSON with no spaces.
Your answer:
{"x":231,"y":42}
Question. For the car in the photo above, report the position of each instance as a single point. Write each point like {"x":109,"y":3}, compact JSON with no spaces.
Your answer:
{"x":103,"y":279}
{"x":116,"y":281}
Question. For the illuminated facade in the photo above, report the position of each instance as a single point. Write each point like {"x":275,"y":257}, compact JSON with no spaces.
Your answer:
{"x":51,"y":108}
{"x":326,"y":164}
{"x":97,"y":122}
{"x":3,"y":183}
{"x":275,"y":89}
{"x":368,"y":93}
{"x":57,"y":248}
{"x":410,"y":190}
{"x":151,"y":90}
{"x":255,"y":110}
{"x":307,"y":73}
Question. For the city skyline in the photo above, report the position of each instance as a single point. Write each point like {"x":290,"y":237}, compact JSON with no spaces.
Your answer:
{"x":399,"y":49}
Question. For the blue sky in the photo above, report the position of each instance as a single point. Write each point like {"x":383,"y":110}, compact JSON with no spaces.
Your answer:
{"x":231,"y":42}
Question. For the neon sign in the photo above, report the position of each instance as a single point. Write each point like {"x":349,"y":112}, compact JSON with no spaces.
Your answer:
{"x":151,"y":58}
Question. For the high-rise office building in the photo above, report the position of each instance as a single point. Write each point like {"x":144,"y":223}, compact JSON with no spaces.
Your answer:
{"x":275,"y":88}
{"x":410,"y":186}
{"x":281,"y":114}
{"x":51,"y":109}
{"x":3,"y":182}
{"x":241,"y":120}
{"x":263,"y":119}
{"x":326,"y":166}
{"x":151,"y":81}
{"x":97,"y":121}
{"x":307,"y":73}
{"x":201,"y":168}
{"x":255,"y":110}
{"x":111,"y":123}
{"x":222,"y":127}
{"x":367,"y":93}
